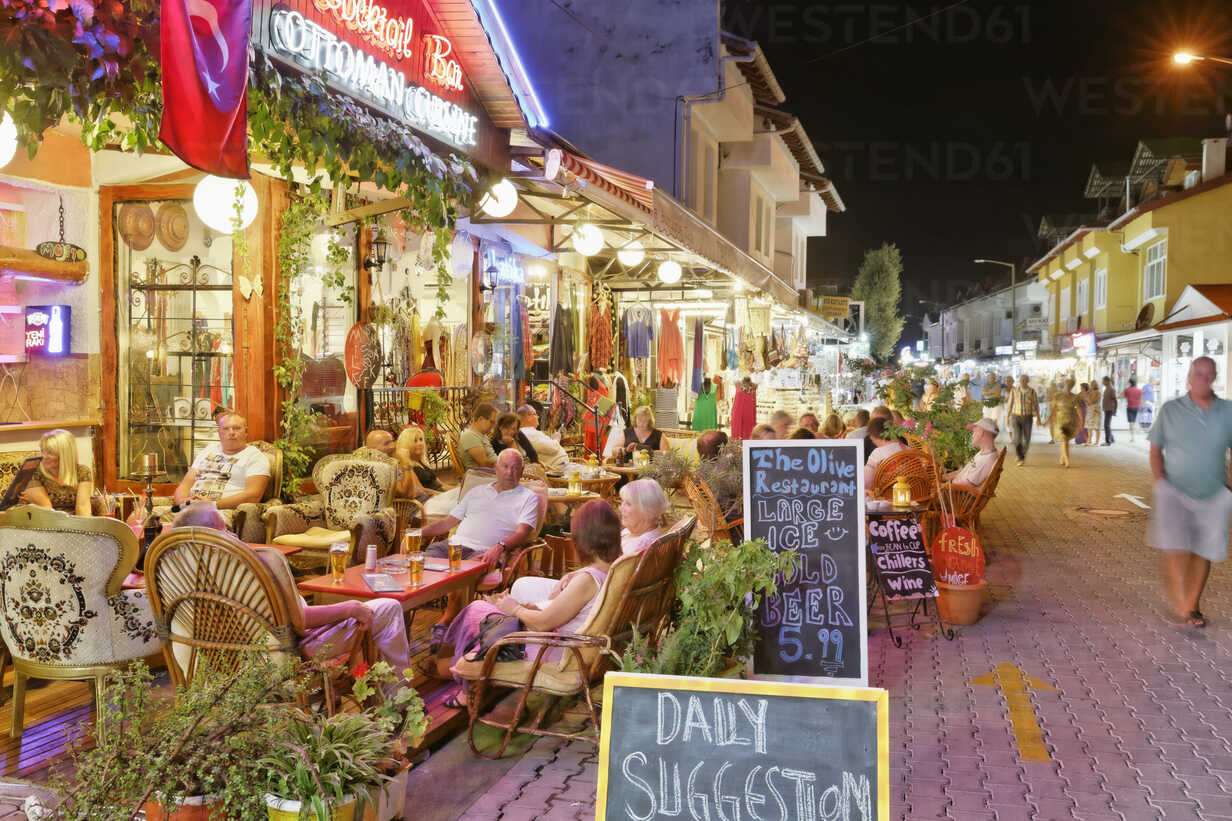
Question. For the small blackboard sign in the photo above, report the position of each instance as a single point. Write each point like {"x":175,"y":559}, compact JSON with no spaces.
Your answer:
{"x":808,"y":496}
{"x":680,"y":747}
{"x":900,"y":562}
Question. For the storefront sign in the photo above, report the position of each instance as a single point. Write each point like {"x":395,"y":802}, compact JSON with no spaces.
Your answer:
{"x":330,"y":38}
{"x":808,"y":496}
{"x":47,"y":330}
{"x":1028,"y":345}
{"x":1083,"y":343}
{"x":900,"y":561}
{"x":1034,"y":323}
{"x":834,"y":307}
{"x":731,"y":749}
{"x":1004,"y":350}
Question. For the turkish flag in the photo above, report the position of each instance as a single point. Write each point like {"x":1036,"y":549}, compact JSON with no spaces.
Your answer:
{"x":205,"y":83}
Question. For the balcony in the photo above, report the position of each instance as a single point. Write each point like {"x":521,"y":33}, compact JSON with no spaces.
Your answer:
{"x":767,"y":158}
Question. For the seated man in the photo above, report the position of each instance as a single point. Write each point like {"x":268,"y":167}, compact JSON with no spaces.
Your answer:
{"x":326,"y":630}
{"x":551,"y":455}
{"x":381,"y":441}
{"x":883,"y":449}
{"x":763,"y":432}
{"x":491,"y":520}
{"x":781,"y":421}
{"x":229,"y":474}
{"x":710,"y":443}
{"x":809,"y":422}
{"x":972,"y":475}
{"x":879,"y":412}
{"x":861,"y":429}
{"x":474,"y":446}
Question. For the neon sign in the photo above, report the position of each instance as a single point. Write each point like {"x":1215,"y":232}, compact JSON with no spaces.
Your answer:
{"x":393,"y":35}
{"x":437,"y":67}
{"x":47,"y":329}
{"x":308,"y":44}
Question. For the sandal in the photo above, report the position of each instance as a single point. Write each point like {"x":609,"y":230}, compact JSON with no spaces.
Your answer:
{"x":454,"y":702}
{"x":1195,"y":619}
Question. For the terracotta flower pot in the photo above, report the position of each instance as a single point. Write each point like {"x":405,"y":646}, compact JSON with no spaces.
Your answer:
{"x":960,"y":603}
{"x":194,"y":808}
{"x":281,"y":809}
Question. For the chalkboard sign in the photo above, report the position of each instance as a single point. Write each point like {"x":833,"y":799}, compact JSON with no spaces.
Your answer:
{"x":808,"y":496}
{"x":682,"y":747}
{"x":900,"y":561}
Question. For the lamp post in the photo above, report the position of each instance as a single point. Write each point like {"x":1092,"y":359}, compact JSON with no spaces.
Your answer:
{"x":1013,"y":298}
{"x":1184,"y":58}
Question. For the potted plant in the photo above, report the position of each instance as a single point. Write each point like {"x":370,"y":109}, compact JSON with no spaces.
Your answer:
{"x":718,"y":589}
{"x":668,"y":468}
{"x":401,"y":716}
{"x":183,"y":758}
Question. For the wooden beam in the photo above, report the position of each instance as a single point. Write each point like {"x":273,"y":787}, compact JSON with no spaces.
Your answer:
{"x":372,"y":210}
{"x":21,"y":262}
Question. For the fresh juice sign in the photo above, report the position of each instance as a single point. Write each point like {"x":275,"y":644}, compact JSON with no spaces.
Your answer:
{"x":958,"y":557}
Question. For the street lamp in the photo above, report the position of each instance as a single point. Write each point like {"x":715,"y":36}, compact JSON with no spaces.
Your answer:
{"x":1013,"y":297}
{"x":1184,"y":58}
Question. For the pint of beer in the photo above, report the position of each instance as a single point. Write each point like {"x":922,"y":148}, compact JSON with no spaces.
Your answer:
{"x":416,"y":568}
{"x":455,"y":556}
{"x":412,"y":542}
{"x":339,"y":552}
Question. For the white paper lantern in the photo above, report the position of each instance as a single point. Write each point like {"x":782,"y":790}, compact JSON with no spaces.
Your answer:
{"x":632,"y":254}
{"x":669,"y":272}
{"x":8,"y":139}
{"x":587,"y":239}
{"x":214,"y":202}
{"x":500,"y":200}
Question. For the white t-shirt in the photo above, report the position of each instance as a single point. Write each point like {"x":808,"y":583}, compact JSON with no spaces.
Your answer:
{"x":220,"y":475}
{"x":976,"y":471}
{"x":551,"y":455}
{"x":488,"y":516}
{"x":858,"y":433}
{"x":879,"y":455}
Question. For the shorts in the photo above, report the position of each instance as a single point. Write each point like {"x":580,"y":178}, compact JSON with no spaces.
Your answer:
{"x":1199,"y":526}
{"x":1131,"y":414}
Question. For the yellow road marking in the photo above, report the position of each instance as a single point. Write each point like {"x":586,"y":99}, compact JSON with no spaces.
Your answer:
{"x":1013,"y":683}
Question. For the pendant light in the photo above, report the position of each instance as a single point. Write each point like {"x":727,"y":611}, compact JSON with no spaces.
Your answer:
{"x":631,"y":254}
{"x":670,"y":272}
{"x":214,"y":202}
{"x":500,"y":201}
{"x":587,"y":239}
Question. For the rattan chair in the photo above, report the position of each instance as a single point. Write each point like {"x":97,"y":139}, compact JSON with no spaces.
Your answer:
{"x":968,"y":503}
{"x":638,"y":594}
{"x":455,"y":455}
{"x":915,"y":466}
{"x":710,"y":514}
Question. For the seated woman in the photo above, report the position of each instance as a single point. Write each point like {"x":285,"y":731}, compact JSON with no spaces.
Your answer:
{"x":542,"y":605}
{"x":508,"y":434}
{"x":642,"y":436}
{"x":60,"y":482}
{"x":833,"y":428}
{"x":418,"y":480}
{"x":642,"y":507}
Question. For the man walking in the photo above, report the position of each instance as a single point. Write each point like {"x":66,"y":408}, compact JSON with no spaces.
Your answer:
{"x":1023,"y":409}
{"x":1133,"y":401}
{"x":1193,"y":502}
{"x":1109,"y":406}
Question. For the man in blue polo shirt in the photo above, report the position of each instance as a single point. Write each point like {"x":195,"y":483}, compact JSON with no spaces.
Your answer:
{"x":1193,"y":503}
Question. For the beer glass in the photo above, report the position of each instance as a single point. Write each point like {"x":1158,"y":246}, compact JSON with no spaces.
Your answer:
{"x":455,"y":557}
{"x":339,"y":552}
{"x":412,"y":542}
{"x":416,"y":568}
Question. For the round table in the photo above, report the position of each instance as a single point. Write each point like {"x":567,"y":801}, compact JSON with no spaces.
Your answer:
{"x":602,"y":484}
{"x":629,"y":472}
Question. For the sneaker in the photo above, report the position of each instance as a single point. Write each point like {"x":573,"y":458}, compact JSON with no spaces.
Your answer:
{"x":1019,"y":463}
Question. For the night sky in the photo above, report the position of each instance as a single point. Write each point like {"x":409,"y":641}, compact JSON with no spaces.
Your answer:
{"x":952,"y":137}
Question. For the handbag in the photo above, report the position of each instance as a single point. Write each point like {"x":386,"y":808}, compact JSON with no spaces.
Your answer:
{"x":494,"y":627}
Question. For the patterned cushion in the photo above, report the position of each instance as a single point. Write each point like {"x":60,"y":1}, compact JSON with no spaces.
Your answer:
{"x":351,"y":488}
{"x":315,"y":537}
{"x":53,"y":604}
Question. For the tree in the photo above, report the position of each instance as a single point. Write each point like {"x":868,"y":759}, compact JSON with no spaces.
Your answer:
{"x":879,"y":287}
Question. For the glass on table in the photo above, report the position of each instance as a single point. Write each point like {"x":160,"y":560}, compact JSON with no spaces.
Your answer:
{"x":416,"y":568}
{"x":412,"y":541}
{"x":339,"y":552}
{"x":455,"y":556}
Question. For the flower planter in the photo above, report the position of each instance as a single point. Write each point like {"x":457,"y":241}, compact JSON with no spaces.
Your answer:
{"x":960,"y":603}
{"x":390,"y":800}
{"x":280,"y":809}
{"x":192,"y":808}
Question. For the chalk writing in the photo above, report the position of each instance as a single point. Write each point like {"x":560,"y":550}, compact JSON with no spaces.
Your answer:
{"x":899,"y":559}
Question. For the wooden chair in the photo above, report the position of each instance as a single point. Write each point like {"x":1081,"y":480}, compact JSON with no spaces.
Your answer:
{"x":216,"y":602}
{"x":638,"y":594}
{"x":455,"y":455}
{"x":915,"y":466}
{"x":63,"y":614}
{"x":969,"y":504}
{"x":560,"y":557}
{"x":915,"y":442}
{"x":710,"y":514}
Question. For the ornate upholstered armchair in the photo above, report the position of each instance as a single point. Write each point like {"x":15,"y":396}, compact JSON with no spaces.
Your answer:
{"x":62,"y":612}
{"x":355,"y":504}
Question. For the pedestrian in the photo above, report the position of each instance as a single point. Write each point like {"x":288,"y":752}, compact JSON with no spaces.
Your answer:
{"x":1109,"y":408}
{"x":1193,"y":500}
{"x":1023,"y":409}
{"x":1094,"y":416}
{"x":1133,"y":401}
{"x":1065,"y":418}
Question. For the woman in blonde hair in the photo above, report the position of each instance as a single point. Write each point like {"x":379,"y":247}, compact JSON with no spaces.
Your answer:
{"x":60,"y":482}
{"x":418,"y":479}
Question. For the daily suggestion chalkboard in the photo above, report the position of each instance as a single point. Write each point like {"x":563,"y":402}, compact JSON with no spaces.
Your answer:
{"x":677,"y":747}
{"x":808,"y":496}
{"x":899,"y":559}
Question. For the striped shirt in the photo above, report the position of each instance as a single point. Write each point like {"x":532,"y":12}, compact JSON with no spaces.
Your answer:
{"x":1023,"y":402}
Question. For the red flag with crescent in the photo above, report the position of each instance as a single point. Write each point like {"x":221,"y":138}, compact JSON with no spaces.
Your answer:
{"x":205,"y":83}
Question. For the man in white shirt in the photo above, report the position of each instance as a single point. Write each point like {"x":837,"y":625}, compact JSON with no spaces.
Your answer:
{"x":230,"y":474}
{"x":882,"y":449}
{"x":861,"y":429}
{"x":551,"y":455}
{"x":490,"y":520}
{"x":972,"y":475}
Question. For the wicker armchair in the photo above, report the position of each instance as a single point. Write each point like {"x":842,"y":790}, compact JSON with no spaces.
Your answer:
{"x":455,"y":455}
{"x":638,"y":594}
{"x":915,"y":466}
{"x":968,"y":503}
{"x":710,"y":514}
{"x":355,"y":504}
{"x":63,"y":614}
{"x":915,"y":442}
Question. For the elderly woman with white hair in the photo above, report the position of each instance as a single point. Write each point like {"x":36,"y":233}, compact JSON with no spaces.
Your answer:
{"x":642,"y":507}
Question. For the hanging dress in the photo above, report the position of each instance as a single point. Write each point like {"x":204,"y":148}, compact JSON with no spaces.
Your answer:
{"x":706,"y":411}
{"x":600,"y":328}
{"x":671,"y":348}
{"x":699,"y":333}
{"x":637,"y":328}
{"x":744,"y":412}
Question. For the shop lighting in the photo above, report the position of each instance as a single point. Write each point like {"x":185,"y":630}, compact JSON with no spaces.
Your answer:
{"x":214,"y":202}
{"x":631,"y":254}
{"x":670,"y":272}
{"x":500,"y":200}
{"x":587,"y":239}
{"x":380,"y":250}
{"x":8,"y":139}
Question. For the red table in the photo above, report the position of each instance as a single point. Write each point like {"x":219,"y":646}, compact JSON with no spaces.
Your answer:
{"x":436,"y":584}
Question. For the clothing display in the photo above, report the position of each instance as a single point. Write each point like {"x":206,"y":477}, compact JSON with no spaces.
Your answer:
{"x":521,"y":340}
{"x":599,"y":327}
{"x":563,"y":350}
{"x":637,"y":328}
{"x":671,"y":348}
{"x":744,"y":412}
{"x":706,"y":411}
{"x":666,"y":415}
{"x":699,"y":333}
